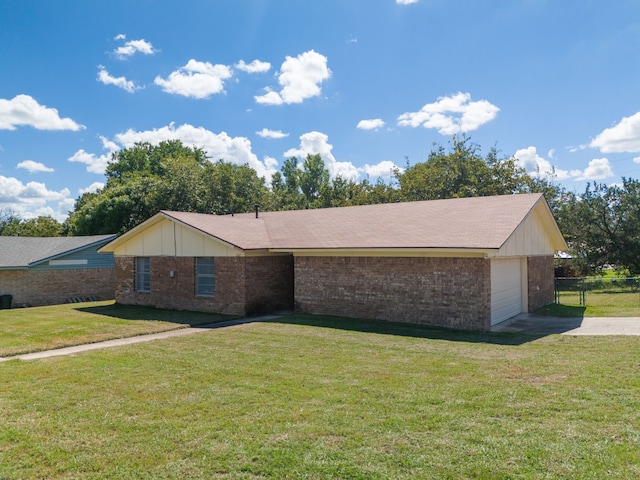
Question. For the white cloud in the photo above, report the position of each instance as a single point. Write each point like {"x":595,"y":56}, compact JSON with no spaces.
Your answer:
{"x":406,"y":2}
{"x":218,"y":146}
{"x":93,"y":188}
{"x":598,"y":169}
{"x":317,"y":143}
{"x":300,"y":78}
{"x":451,"y":115}
{"x":196,"y":80}
{"x":31,"y":199}
{"x":120,"y":36}
{"x":623,"y":137}
{"x":636,"y":159}
{"x":120,"y":82}
{"x":96,"y":163}
{"x":132,"y":47}
{"x":536,"y":166}
{"x":371,"y":124}
{"x":33,"y":167}
{"x":23,"y":110}
{"x":386,"y":168}
{"x":266,"y":133}
{"x":254,"y":67}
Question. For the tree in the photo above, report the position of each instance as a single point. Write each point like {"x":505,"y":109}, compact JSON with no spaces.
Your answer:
{"x":603,"y":226}
{"x":461,"y":172}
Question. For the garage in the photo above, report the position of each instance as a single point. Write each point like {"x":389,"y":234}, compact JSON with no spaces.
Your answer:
{"x":506,"y":289}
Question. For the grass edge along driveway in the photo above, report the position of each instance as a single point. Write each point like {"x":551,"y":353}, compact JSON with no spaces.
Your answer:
{"x":28,"y":330}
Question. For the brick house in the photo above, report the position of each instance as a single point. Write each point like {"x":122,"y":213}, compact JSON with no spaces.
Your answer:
{"x":465,"y":263}
{"x":38,"y":271}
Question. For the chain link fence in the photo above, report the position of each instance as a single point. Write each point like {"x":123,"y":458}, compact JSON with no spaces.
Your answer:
{"x":596,"y":291}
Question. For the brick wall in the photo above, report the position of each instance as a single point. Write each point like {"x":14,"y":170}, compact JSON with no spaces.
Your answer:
{"x":540,"y":281}
{"x":450,"y":292}
{"x":51,"y":287}
{"x":242,"y":284}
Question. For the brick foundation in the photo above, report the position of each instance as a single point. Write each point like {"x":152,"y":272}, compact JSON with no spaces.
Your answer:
{"x":243,"y":285}
{"x":540,"y":273}
{"x":449,"y":292}
{"x":51,"y":287}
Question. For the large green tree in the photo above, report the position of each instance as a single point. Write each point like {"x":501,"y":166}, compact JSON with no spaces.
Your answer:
{"x":461,"y":172}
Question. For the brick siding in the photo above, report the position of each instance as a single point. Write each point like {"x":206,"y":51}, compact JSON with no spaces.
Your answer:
{"x":243,"y":285}
{"x":51,"y":287}
{"x":449,"y":292}
{"x":540,"y":286}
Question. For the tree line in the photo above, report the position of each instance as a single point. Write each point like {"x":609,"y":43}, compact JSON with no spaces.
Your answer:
{"x":601,"y":225}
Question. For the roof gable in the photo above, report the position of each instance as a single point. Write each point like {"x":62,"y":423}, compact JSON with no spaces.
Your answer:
{"x":23,"y":252}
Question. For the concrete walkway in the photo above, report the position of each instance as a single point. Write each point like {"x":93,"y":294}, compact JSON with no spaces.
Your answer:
{"x":118,"y":342}
{"x":538,"y":325}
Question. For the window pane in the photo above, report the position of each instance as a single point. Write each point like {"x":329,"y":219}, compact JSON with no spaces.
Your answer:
{"x":143,"y":274}
{"x":205,"y":279}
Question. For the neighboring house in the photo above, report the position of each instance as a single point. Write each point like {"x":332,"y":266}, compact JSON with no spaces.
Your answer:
{"x":52,"y":270}
{"x":465,"y":263}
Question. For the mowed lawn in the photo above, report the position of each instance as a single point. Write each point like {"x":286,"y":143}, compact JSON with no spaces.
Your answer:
{"x":25,"y":330}
{"x":321,"y":397}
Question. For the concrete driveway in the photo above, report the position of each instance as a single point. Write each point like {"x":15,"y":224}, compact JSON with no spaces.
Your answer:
{"x":538,"y":325}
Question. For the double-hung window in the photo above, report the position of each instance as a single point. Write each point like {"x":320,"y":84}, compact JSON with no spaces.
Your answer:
{"x":143,"y":274}
{"x":205,"y":279}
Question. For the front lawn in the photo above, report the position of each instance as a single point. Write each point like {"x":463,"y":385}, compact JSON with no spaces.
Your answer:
{"x":25,"y":330}
{"x":321,"y":397}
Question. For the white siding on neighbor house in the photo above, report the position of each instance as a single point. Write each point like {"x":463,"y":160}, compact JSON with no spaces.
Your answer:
{"x":166,"y":238}
{"x":528,"y":239}
{"x":508,"y":275}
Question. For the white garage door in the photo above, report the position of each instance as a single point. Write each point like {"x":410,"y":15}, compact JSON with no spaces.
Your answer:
{"x":506,"y":289}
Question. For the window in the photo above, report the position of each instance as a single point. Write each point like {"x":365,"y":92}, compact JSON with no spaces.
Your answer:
{"x":205,"y":280}
{"x":143,"y":274}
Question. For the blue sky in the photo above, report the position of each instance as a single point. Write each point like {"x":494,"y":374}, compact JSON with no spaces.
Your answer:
{"x":368,"y":84}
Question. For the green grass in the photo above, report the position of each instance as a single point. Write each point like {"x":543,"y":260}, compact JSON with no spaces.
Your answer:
{"x":599,"y":304}
{"x":322,"y":397}
{"x":26,"y":330}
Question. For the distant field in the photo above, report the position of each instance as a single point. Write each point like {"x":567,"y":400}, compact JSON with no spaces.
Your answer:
{"x":321,"y":397}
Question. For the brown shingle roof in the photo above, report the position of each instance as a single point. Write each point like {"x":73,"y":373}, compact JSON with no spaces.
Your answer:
{"x":473,"y":223}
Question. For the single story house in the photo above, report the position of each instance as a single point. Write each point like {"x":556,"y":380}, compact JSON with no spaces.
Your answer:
{"x":52,"y":270}
{"x":465,"y":263}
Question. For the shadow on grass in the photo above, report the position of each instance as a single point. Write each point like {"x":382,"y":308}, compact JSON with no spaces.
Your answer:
{"x":561,"y":310}
{"x":409,"y":330}
{"x":136,"y":312}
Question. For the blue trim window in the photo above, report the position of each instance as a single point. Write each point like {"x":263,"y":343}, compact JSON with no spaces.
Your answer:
{"x":143,"y":274}
{"x":205,"y":277}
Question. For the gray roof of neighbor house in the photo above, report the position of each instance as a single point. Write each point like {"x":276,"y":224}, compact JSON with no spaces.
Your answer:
{"x":473,"y":223}
{"x":23,"y":252}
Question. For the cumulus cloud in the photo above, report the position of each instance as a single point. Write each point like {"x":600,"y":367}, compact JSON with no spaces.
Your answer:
{"x":34,"y":167}
{"x":300,"y":78}
{"x":318,"y":143}
{"x":217,"y":145}
{"x":93,"y":188}
{"x":636,"y":159}
{"x":31,"y":199}
{"x":196,"y":80}
{"x":266,"y":133}
{"x":622,"y":137}
{"x":120,"y":82}
{"x":598,"y":169}
{"x":537,"y":166}
{"x":132,"y":47}
{"x":451,"y":115}
{"x":96,"y":163}
{"x":254,"y":67}
{"x":386,"y":168}
{"x":371,"y":124}
{"x":23,"y":110}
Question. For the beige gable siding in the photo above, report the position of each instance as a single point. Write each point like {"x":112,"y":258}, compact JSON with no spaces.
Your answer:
{"x":529,"y":238}
{"x":166,"y":238}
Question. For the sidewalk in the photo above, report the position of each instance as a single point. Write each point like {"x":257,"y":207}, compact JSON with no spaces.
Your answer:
{"x":118,"y":342}
{"x":539,"y":325}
